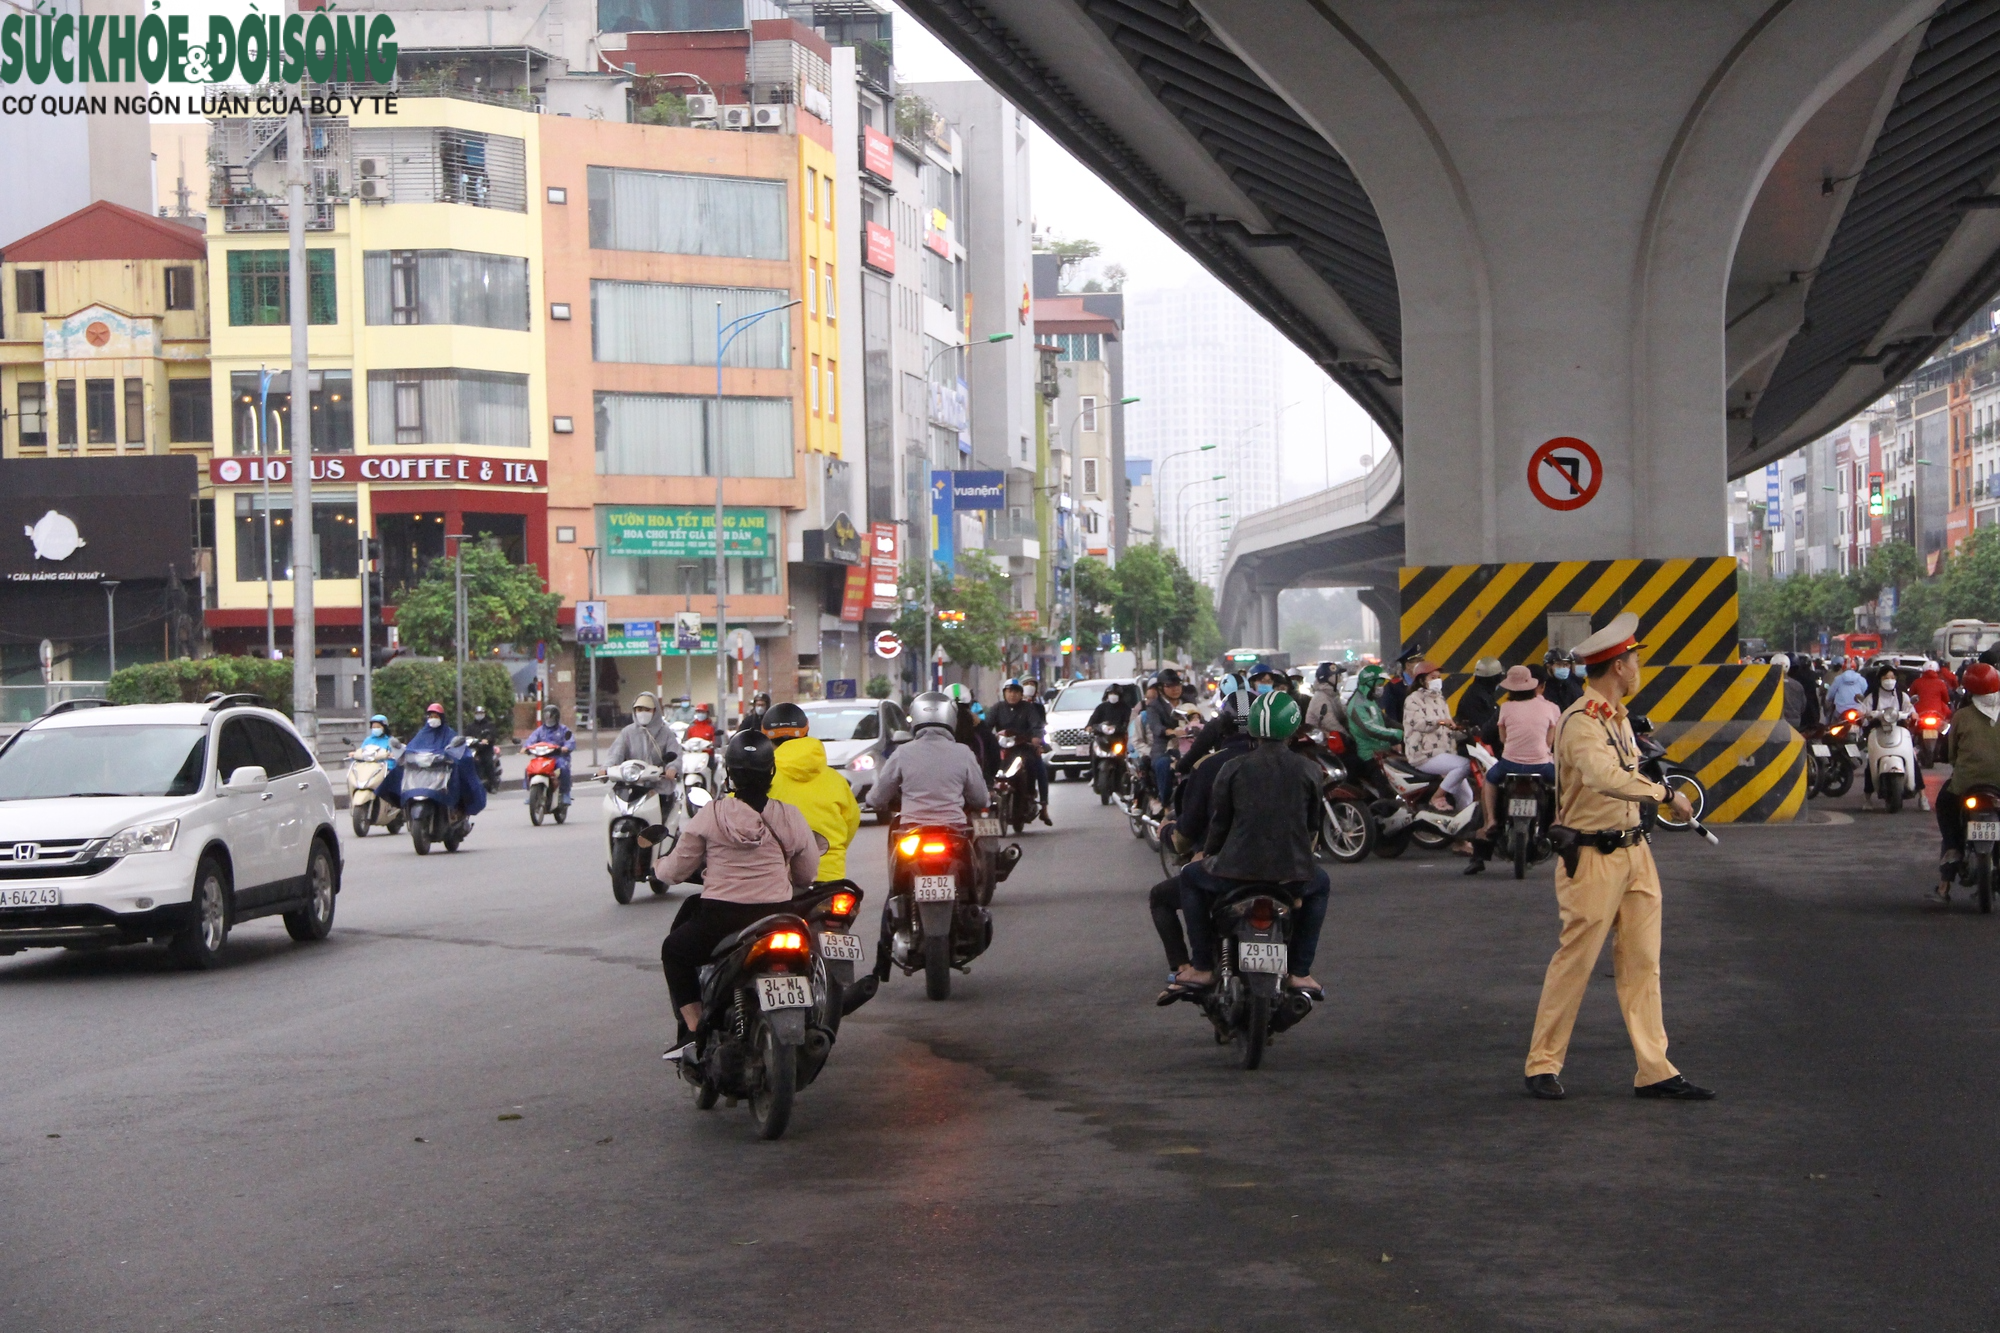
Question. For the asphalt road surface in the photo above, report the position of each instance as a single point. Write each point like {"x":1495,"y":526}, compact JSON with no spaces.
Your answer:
{"x":321,"y":1137}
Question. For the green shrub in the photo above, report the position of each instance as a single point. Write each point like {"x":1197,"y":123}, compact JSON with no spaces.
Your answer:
{"x":880,"y":687}
{"x":405,"y":687}
{"x":190,"y":680}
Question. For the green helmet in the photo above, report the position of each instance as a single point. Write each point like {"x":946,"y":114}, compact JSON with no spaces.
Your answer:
{"x":1368,"y":680}
{"x":1274,"y":716}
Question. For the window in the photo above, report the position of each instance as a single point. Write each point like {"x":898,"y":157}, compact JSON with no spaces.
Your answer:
{"x":32,"y":407}
{"x":1088,"y":407}
{"x":135,"y":411}
{"x":260,"y":287}
{"x":812,"y":193}
{"x":100,"y":411}
{"x":336,"y":545}
{"x":445,"y":287}
{"x":666,"y":435}
{"x":278,"y":751}
{"x":668,"y":213}
{"x":448,"y":406}
{"x":832,"y":393}
{"x":409,"y":543}
{"x":180,"y":287}
{"x":190,"y":416}
{"x":663,"y":324}
{"x":30,"y":297}
{"x":812,"y":388}
{"x":234,"y":748}
{"x":508,"y":531}
{"x":1090,"y":478}
{"x":1079,"y":346}
{"x":660,"y":575}
{"x":812,"y":289}
{"x":832,"y":304}
{"x":826,"y":214}
{"x":331,"y":398}
{"x":670,"y":15}
{"x":66,"y":412}
{"x":444,"y":166}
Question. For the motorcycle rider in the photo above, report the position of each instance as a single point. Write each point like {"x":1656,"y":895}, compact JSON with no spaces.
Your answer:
{"x":1429,"y":736}
{"x":1527,"y":727}
{"x":1031,"y":695}
{"x":760,"y":703}
{"x":378,"y":738}
{"x":1794,"y":706}
{"x":1932,"y":691}
{"x":935,"y":779}
{"x":806,"y":782}
{"x":753,"y":853}
{"x":1564,"y":688}
{"x":1973,"y":751}
{"x":1115,"y":708}
{"x":1264,"y":815}
{"x":1163,"y":727}
{"x":648,"y":738}
{"x":435,"y":734}
{"x":1374,"y":735}
{"x":702,"y":728}
{"x":1479,"y":706}
{"x":1325,"y":710}
{"x":1029,"y":723}
{"x":1886,"y":695}
{"x":553,"y":732}
{"x":1188,"y":830}
{"x":1846,"y":690}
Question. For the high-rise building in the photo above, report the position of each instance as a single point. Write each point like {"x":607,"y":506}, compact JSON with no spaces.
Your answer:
{"x":1209,"y":373}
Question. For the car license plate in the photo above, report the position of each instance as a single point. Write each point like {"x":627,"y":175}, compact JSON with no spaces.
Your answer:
{"x":1526,"y":806}
{"x":1260,"y":957}
{"x":50,"y":897}
{"x":936,"y":888}
{"x":840,"y":948}
{"x":1822,"y":752}
{"x":985,"y":826}
{"x":1983,"y":831}
{"x":783,"y":993}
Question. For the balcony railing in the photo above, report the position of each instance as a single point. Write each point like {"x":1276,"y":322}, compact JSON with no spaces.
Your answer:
{"x":275,"y":215}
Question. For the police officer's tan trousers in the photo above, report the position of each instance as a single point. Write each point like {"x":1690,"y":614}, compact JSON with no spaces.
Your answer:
{"x":1620,"y":887}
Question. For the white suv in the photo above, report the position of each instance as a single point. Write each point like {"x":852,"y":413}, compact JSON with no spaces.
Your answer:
{"x":173,"y":822}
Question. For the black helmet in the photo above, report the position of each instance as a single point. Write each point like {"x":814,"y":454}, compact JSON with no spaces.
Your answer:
{"x":1168,"y":677}
{"x":750,"y":753}
{"x":784,"y":722}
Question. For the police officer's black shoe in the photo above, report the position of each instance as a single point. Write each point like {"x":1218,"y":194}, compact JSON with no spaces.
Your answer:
{"x":1546,"y":1087}
{"x":1676,"y":1089}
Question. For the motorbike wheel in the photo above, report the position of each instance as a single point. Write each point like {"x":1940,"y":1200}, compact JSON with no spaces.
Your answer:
{"x":1429,"y":837}
{"x":562,"y":812}
{"x":1815,"y":774}
{"x":1892,"y":791}
{"x":937,"y":967}
{"x":357,"y":815}
{"x":452,"y":840}
{"x":1983,"y":873}
{"x":420,"y":836}
{"x":1256,"y":1030}
{"x":1834,"y":780}
{"x":771,"y":1099}
{"x":1391,"y":848}
{"x":1347,"y":833}
{"x":537,"y":796}
{"x":1520,"y":839}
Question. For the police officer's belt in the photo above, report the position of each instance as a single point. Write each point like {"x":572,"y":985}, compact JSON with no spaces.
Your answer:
{"x":1611,"y":840}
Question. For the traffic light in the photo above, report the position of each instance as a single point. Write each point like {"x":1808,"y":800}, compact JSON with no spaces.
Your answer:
{"x":1875,"y":503}
{"x":1068,"y":644}
{"x":951,"y":617}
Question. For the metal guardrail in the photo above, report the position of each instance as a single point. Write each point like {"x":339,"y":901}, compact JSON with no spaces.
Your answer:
{"x":25,"y":703}
{"x":274,"y":215}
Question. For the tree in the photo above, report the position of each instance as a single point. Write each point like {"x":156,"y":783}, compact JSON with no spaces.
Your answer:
{"x":1070,"y":256}
{"x":505,"y":603}
{"x":1145,"y":600}
{"x":1967,"y":587}
{"x":1096,"y":599}
{"x":978,"y":592}
{"x":1894,"y":565}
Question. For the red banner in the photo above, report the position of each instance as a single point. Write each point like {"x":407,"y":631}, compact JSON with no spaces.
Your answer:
{"x":884,"y":570}
{"x":337,"y":469}
{"x":881,"y":248}
{"x":854,"y":597}
{"x":878,"y":154}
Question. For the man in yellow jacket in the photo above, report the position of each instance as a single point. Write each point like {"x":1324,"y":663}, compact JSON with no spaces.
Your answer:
{"x":819,"y":793}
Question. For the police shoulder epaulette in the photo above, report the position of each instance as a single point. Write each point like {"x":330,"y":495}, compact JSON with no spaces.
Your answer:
{"x":1598,"y":710}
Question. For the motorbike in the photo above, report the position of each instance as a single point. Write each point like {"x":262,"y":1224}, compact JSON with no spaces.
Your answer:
{"x":1982,"y":842}
{"x":1248,"y":1004}
{"x":626,"y":797}
{"x":772,"y":1003}
{"x":1347,"y":826}
{"x":1016,"y":799}
{"x":698,"y":769}
{"x":544,"y":780}
{"x":1530,"y":807}
{"x":1932,"y":728}
{"x":1406,"y":815}
{"x":1892,"y":758}
{"x":1107,"y":761}
{"x":936,"y":920}
{"x":366,"y":770}
{"x":430,"y":800}
{"x":1833,"y":752}
{"x":1654,"y":764}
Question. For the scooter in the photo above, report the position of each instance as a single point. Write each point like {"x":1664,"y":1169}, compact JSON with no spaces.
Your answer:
{"x":1407,"y":815}
{"x":1347,"y":826}
{"x":1833,"y":753}
{"x":1016,"y":800}
{"x":1982,"y":843}
{"x":367,"y":769}
{"x":1529,"y":810}
{"x":935,"y":920}
{"x":430,"y":795}
{"x":1892,"y":758}
{"x":626,"y":797}
{"x":1933,"y":726}
{"x":545,"y":782}
{"x":1107,"y":761}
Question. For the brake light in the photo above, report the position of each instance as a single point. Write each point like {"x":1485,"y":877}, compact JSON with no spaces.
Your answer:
{"x":784,"y":941}
{"x":1930,"y":722}
{"x":841,"y":904}
{"x":908,"y":846}
{"x":934,"y":848}
{"x":1972,"y":802}
{"x":1260,"y":915}
{"x":1851,"y":715}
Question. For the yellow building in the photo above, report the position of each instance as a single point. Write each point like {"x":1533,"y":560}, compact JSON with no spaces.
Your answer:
{"x":429,"y":413}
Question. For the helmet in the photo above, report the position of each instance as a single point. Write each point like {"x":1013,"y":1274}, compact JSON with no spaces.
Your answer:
{"x":1265,"y":669}
{"x":1111,"y":694}
{"x":784,"y":722}
{"x":552,"y":712}
{"x":479,"y":710}
{"x":1230,"y":683}
{"x":385,"y":721}
{"x":1981,"y":678}
{"x":1930,"y":665}
{"x":435,"y":708}
{"x":1327,"y":671}
{"x":1274,"y":716}
{"x":647,"y":699}
{"x":1488,"y":666}
{"x":1369,"y":680}
{"x":958,"y":693}
{"x":703,"y":710}
{"x":750,"y":753}
{"x":1236,"y":704}
{"x":1168,"y":677}
{"x":1013,"y":683}
{"x":934,"y":709}
{"x":1031,"y":685}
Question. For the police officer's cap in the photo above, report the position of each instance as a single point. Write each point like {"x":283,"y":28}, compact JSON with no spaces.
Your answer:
{"x":1621,"y":636}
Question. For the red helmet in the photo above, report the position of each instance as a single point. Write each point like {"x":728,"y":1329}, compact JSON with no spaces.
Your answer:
{"x":1981,"y":678}
{"x":436,"y":708}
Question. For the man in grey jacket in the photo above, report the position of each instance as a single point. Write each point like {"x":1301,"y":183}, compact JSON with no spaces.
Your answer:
{"x":652,"y":741}
{"x":934,"y":777}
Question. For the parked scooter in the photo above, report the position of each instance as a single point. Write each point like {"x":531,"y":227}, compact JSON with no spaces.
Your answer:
{"x":629,"y":799}
{"x":367,"y":769}
{"x":1892,"y":758}
{"x":545,"y":782}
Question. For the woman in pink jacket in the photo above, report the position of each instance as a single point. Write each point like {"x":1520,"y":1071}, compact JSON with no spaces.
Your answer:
{"x":753,"y":853}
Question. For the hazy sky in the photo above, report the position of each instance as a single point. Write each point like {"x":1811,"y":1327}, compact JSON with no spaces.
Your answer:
{"x":1324,"y":436}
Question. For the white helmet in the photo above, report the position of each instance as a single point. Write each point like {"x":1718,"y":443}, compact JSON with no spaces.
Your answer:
{"x":1780,"y":661}
{"x":933,"y":709}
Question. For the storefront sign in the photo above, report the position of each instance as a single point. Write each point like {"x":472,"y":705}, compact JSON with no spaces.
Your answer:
{"x":884,"y":568}
{"x":978,"y":490}
{"x":349,"y":468}
{"x":81,"y":520}
{"x":629,"y":646}
{"x":881,"y":249}
{"x":878,"y":154}
{"x":854,"y":597}
{"x":838,"y":543}
{"x":686,"y":530}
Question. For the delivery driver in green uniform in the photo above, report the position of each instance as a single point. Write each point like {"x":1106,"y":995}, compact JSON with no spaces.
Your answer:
{"x":1606,"y":875}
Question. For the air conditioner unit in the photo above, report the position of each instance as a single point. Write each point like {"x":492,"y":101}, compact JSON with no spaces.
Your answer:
{"x":736,"y":118}
{"x":701,"y":106}
{"x":773,"y":117}
{"x":371,"y":166}
{"x":372,"y":187}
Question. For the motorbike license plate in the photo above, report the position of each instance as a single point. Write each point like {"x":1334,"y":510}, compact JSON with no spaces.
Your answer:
{"x":1260,"y":957}
{"x":1523,"y":807}
{"x":783,"y":993}
{"x":49,"y":897}
{"x":1822,"y":751}
{"x":840,"y":948}
{"x":1983,"y":831}
{"x":1853,"y":752}
{"x":936,"y":888}
{"x":985,"y":826}
{"x":1930,"y":733}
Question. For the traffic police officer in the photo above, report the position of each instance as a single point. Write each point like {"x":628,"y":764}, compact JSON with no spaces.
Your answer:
{"x":1611,"y":879}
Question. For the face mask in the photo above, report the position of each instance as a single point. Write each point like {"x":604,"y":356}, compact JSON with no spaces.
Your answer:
{"x":642,"y":715}
{"x":375,"y":731}
{"x":433,"y":721}
{"x":1434,"y":685}
{"x":1989,"y":705}
{"x":1262,"y":687}
{"x":1562,"y":673}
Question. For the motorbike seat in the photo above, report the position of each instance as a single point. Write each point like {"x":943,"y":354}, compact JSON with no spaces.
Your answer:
{"x":1257,"y":889}
{"x":781,"y":920}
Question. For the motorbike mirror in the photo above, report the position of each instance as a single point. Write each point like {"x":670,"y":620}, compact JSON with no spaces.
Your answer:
{"x":250,"y":778}
{"x":698,"y":797}
{"x":1641,"y":724}
{"x":901,"y":737}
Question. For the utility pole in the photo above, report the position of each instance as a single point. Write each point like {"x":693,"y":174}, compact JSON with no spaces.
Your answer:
{"x":305,"y":684}
{"x":111,"y":623}
{"x":590,"y":649}
{"x":367,"y":649}
{"x":264,"y":466}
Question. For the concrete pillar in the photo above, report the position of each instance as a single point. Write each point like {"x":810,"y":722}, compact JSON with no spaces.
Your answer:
{"x":1264,"y":617}
{"x":1562,"y":187}
{"x":1387,"y":604}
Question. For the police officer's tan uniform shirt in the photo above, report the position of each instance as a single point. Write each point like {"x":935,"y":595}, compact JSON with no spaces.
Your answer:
{"x":1597,"y":767}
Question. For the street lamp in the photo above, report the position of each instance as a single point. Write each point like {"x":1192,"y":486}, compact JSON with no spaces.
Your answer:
{"x":458,"y":625}
{"x":1181,"y":495}
{"x":930,"y":518}
{"x":590,"y":649}
{"x":725,"y":334}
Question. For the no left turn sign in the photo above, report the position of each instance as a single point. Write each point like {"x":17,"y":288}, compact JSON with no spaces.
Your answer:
{"x":887,"y":645}
{"x":1565,"y":473}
